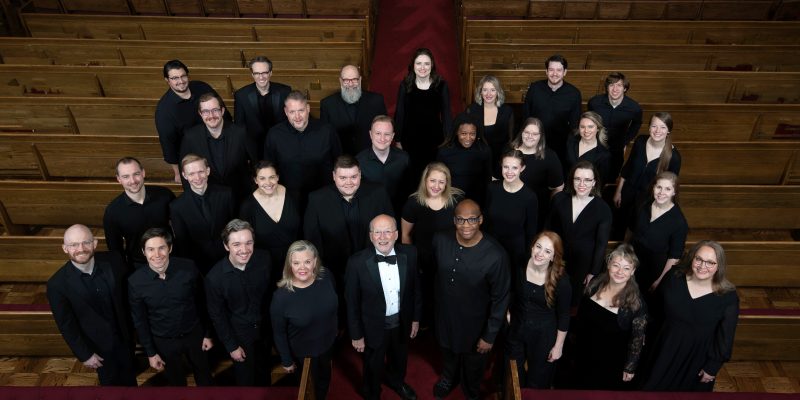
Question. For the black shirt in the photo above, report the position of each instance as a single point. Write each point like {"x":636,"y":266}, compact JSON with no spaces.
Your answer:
{"x":390,"y":173}
{"x":559,"y":111}
{"x":100,"y":293}
{"x":622,"y":123}
{"x":351,"y":218}
{"x":265,"y":109}
{"x":125,"y":221}
{"x":217,"y":148}
{"x":530,"y":309}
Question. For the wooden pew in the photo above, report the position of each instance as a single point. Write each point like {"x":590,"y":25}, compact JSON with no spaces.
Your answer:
{"x":740,"y":163}
{"x":30,"y":333}
{"x":33,"y":259}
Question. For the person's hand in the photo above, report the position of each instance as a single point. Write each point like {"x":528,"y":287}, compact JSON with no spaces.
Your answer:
{"x":483,"y":346}
{"x":156,"y":362}
{"x":414,"y":329}
{"x":290,"y":368}
{"x":555,"y":354}
{"x":94,"y":362}
{"x":617,"y":199}
{"x":238,"y":355}
{"x":587,"y":279}
{"x":207,"y":344}
{"x":655,"y":285}
{"x":359,"y":345}
{"x":705,"y":377}
{"x":398,"y":145}
{"x":627,"y":376}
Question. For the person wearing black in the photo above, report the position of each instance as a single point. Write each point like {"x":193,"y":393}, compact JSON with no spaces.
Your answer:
{"x":589,"y":143}
{"x":472,"y":286}
{"x":131,"y":213}
{"x":351,"y":111}
{"x":87,"y":297}
{"x":199,"y":214}
{"x":176,"y":111}
{"x":303,"y":148}
{"x":468,"y":157}
{"x":224,"y":145}
{"x":303,"y":314}
{"x":621,"y":115}
{"x":495,"y":118}
{"x":384,"y":305}
{"x":166,"y":299}
{"x":555,"y":102}
{"x":383,"y":163}
{"x":238,"y":290}
{"x":337,"y":218}
{"x":259,"y":105}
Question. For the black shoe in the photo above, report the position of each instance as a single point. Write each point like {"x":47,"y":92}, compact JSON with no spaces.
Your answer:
{"x":442,"y":388}
{"x":406,"y":392}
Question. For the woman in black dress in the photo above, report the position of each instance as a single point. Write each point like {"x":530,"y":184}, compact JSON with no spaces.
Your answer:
{"x":423,"y":111}
{"x":495,"y":118}
{"x":543,"y":172}
{"x":611,"y":325}
{"x":512,"y":209}
{"x":468,"y":157}
{"x":701,"y":310}
{"x":589,"y":143}
{"x":583,"y":220}
{"x":303,"y":314}
{"x":539,"y":313}
{"x":659,"y":232}
{"x":272,"y":214}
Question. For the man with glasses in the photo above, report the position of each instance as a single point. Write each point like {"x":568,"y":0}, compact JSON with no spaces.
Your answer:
{"x":259,"y":105}
{"x":352,"y":110}
{"x":86,"y":296}
{"x":472,"y":285}
{"x":224,"y":144}
{"x":176,"y":111}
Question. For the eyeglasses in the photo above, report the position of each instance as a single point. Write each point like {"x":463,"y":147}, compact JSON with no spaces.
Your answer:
{"x":470,"y":220}
{"x":261,"y":74}
{"x":578,"y":181}
{"x":179,"y":78}
{"x":530,"y":134}
{"x":382,"y":233}
{"x":350,"y":81}
{"x":75,"y":245}
{"x":214,"y":111}
{"x":707,"y":263}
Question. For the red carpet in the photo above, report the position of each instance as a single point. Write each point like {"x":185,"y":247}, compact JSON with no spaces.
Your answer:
{"x":530,"y":394}
{"x":402,"y":27}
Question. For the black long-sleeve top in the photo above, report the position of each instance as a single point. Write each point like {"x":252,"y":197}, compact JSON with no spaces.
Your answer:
{"x":404,"y":120}
{"x":559,"y":111}
{"x":512,"y":218}
{"x":238,"y":300}
{"x":471,"y":169}
{"x":497,"y":135}
{"x":169,"y":307}
{"x":530,"y":308}
{"x":639,"y":173}
{"x":125,"y":220}
{"x":598,"y":156}
{"x":304,"y":322}
{"x":585,"y":239}
{"x":275,"y":236}
{"x":622,"y":123}
{"x":390,"y":174}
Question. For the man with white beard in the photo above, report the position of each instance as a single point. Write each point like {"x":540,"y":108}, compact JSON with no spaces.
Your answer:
{"x":352,"y":110}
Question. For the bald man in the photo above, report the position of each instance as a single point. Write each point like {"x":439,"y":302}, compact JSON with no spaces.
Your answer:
{"x":352,"y":110}
{"x":86,"y":297}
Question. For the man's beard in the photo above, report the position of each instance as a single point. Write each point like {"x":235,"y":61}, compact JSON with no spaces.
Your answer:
{"x":351,"y":95}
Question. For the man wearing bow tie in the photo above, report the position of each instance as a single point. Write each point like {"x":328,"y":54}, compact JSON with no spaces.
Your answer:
{"x":384,"y":305}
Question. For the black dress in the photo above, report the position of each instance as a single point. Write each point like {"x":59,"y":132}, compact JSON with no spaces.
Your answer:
{"x":598,"y":156}
{"x":608,"y":344}
{"x":540,"y":175}
{"x":275,"y":236}
{"x":497,"y":135}
{"x":697,"y":335}
{"x":512,"y":219}
{"x":657,"y":241}
{"x":423,"y":119}
{"x":470,"y":169}
{"x":585,"y":240}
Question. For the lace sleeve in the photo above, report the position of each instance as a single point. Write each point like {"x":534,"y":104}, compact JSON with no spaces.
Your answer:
{"x":638,"y":328}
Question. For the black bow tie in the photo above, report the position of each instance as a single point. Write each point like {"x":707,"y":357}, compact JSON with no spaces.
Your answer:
{"x":387,"y":259}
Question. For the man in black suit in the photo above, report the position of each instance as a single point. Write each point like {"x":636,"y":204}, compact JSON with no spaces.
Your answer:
{"x":224,"y":145}
{"x":86,"y":296}
{"x":352,"y":110}
{"x":384,"y":304}
{"x":199,"y":214}
{"x":259,"y":105}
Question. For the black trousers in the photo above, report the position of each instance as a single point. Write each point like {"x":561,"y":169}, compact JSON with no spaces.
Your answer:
{"x":320,"y":371}
{"x":394,"y":350}
{"x":254,"y":370}
{"x":118,"y":366}
{"x":533,"y":344}
{"x":190,"y":345}
{"x":466,"y":367}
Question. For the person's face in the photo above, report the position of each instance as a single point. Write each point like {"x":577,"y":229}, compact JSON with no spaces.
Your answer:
{"x":663,"y":191}
{"x":79,"y":244}
{"x":489,"y":93}
{"x":303,"y":265}
{"x":620,"y":270}
{"x":211,"y":112}
{"x":658,"y":130}
{"x":131,"y":177}
{"x":156,"y":251}
{"x":704,"y":263}
{"x":381,"y":135}
{"x":347,"y":180}
{"x":531,"y":136}
{"x":468,"y":222}
{"x":616,"y":90}
{"x":583,"y":181}
{"x":423,"y":66}
{"x":350,"y":78}
{"x":178,"y":80}
{"x":196,"y":173}
{"x":588,"y":129}
{"x":555,"y":73}
{"x":267,"y":181}
{"x":261,"y":74}
{"x":297,"y":113}
{"x":240,"y":247}
{"x":543,"y":251}
{"x":436,"y":183}
{"x":511,"y":168}
{"x":467,"y":133}
{"x":383,"y":234}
